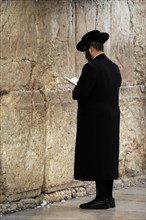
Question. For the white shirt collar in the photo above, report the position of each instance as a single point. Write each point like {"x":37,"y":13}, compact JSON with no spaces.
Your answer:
{"x":98,"y":55}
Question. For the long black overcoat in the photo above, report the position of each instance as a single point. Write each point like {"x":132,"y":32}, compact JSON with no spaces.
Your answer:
{"x":98,"y":118}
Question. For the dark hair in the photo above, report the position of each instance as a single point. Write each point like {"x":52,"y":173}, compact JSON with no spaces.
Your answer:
{"x":97,"y":46}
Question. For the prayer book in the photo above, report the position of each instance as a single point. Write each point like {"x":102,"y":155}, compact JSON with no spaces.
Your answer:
{"x":72,"y":80}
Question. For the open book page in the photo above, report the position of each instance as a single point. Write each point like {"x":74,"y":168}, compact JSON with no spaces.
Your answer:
{"x":72,"y":80}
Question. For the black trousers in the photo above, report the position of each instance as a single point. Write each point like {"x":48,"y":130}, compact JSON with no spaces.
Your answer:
{"x":104,"y":189}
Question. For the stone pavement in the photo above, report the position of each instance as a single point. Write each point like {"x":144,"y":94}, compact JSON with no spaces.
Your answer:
{"x":130,"y":205}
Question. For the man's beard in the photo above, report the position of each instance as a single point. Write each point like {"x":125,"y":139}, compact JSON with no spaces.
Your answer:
{"x":88,"y":55}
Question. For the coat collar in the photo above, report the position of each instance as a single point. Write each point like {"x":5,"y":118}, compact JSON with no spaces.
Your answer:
{"x":99,"y":54}
{"x":102,"y":55}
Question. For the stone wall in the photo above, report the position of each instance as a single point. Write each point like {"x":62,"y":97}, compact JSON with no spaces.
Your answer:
{"x":38,"y":115}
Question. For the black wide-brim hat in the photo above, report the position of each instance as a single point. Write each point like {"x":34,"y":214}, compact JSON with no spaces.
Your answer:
{"x":92,"y":36}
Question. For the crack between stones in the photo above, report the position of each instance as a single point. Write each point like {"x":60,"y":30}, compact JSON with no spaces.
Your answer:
{"x":130,"y":12}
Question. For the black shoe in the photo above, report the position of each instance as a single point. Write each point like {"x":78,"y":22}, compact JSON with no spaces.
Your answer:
{"x":96,"y":204}
{"x":111,"y":202}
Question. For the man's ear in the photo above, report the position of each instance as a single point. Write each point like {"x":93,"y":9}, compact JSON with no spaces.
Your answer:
{"x":91,"y":49}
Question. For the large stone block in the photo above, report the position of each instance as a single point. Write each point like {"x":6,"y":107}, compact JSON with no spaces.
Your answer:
{"x":133,"y":131}
{"x":38,"y":44}
{"x":60,"y":140}
{"x":22,"y":145}
{"x":127,"y":39}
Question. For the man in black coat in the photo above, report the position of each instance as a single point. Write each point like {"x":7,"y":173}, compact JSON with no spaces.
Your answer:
{"x":98,"y":118}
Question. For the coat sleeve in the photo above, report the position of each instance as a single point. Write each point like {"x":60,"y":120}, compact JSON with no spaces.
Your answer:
{"x":85,"y":84}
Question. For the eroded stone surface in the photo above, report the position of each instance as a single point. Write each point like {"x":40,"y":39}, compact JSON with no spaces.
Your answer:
{"x":133,"y":131}
{"x":23,"y":144}
{"x":60,"y":139}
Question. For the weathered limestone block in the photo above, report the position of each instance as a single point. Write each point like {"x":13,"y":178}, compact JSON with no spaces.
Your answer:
{"x":58,"y":196}
{"x":56,"y":44}
{"x":133,"y":131}
{"x":139,"y":42}
{"x":127,"y":41}
{"x":22,"y":145}
{"x":60,"y":139}
{"x":14,"y":74}
{"x":10,"y":207}
{"x":17,"y":24}
{"x":38,"y":44}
